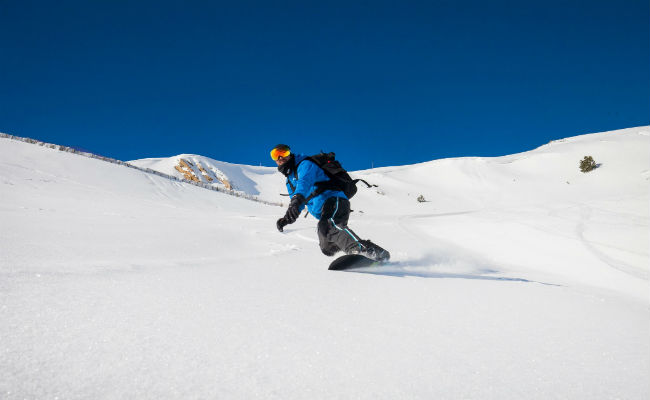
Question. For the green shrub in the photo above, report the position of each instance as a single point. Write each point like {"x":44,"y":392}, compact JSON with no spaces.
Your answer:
{"x":587,"y":164}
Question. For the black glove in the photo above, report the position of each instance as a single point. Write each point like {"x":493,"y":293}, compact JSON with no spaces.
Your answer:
{"x":293,"y":212}
{"x":281,"y":224}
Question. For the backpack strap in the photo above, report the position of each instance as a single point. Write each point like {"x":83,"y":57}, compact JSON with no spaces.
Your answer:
{"x":329,"y":185}
{"x":324,"y":185}
{"x":295,"y":174}
{"x":367,"y":184}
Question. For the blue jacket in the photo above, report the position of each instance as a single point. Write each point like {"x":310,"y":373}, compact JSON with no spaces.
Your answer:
{"x":308,"y":174}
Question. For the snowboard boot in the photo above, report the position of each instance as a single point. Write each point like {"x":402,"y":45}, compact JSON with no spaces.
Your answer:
{"x":372,"y":251}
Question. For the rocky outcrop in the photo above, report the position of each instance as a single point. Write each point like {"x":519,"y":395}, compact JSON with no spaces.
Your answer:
{"x":196,"y":172}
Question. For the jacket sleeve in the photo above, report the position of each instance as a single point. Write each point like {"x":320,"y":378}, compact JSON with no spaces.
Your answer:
{"x":307,"y":175}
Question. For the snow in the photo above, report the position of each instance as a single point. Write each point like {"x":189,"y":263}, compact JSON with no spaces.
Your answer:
{"x":245,"y":178}
{"x":520,"y":277}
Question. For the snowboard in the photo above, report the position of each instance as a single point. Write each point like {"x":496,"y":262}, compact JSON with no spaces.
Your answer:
{"x":349,"y":261}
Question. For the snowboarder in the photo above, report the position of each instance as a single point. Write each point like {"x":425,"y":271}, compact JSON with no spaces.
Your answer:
{"x":331,"y":207}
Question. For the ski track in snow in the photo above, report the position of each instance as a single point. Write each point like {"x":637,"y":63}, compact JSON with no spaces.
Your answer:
{"x":592,"y":247}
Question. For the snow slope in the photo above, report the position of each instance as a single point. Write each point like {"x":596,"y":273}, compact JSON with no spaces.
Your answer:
{"x":521,"y":277}
{"x":254,"y":181}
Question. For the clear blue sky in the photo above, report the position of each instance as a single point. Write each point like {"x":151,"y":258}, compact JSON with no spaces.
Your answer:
{"x":389,"y":82}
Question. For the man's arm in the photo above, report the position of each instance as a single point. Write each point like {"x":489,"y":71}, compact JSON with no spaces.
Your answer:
{"x":307,"y":175}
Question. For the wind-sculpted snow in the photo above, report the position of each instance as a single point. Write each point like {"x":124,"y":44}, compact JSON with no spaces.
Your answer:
{"x":519,"y":277}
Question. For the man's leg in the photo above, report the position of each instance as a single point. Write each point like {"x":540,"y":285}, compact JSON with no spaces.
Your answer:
{"x":335,"y":235}
{"x":333,"y":231}
{"x":328,"y":248}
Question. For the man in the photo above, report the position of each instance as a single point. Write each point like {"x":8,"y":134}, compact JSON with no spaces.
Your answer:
{"x":330,"y":207}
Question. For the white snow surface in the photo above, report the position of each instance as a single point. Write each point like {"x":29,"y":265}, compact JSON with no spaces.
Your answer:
{"x":520,"y":277}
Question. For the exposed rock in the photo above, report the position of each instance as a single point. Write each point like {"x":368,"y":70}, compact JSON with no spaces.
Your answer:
{"x":199,"y":173}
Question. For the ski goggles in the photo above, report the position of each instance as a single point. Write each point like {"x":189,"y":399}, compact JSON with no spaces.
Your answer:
{"x":280,"y":152}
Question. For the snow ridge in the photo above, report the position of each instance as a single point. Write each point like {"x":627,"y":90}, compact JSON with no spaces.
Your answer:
{"x":146,"y":170}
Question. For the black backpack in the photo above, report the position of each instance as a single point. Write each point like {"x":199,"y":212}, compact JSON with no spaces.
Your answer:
{"x":339,"y":177}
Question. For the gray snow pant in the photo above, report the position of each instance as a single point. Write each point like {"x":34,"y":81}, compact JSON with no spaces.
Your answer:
{"x":333,"y":232}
